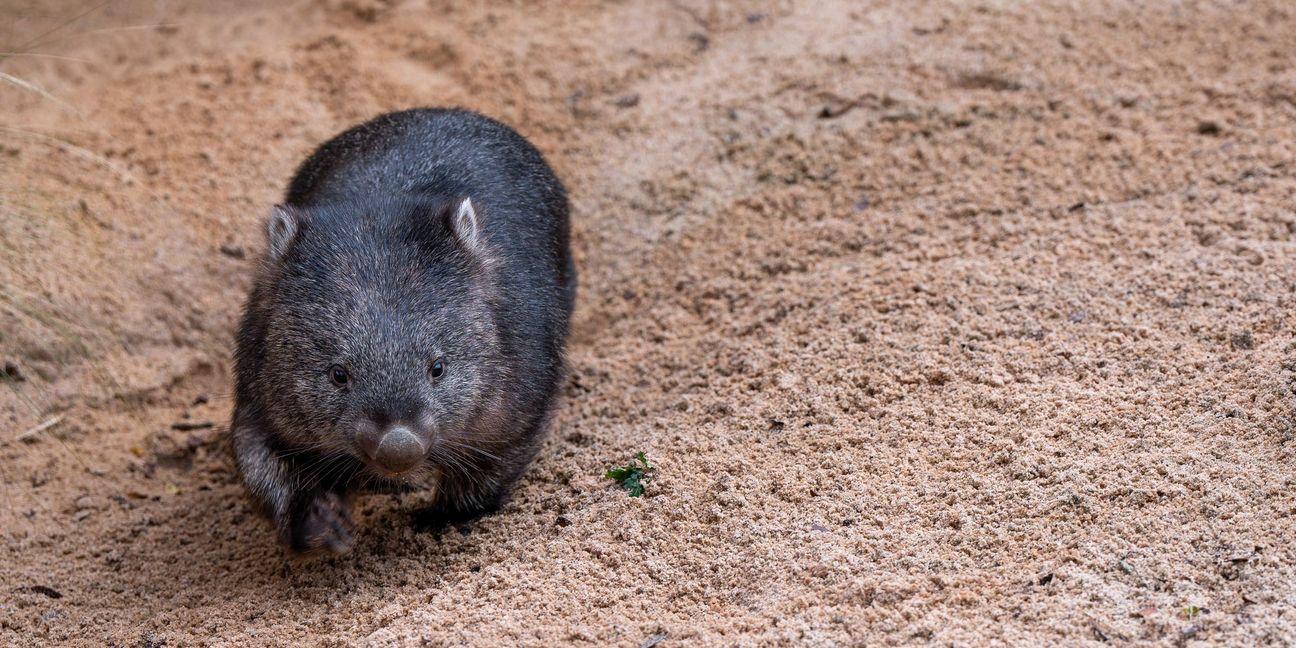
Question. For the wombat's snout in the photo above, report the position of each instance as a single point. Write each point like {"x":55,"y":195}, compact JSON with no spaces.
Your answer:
{"x":395,"y":449}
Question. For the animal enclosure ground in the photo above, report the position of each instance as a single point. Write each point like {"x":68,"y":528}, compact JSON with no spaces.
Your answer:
{"x":942,"y":323}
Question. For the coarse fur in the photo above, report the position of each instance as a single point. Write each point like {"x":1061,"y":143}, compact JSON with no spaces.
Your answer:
{"x":420,"y":236}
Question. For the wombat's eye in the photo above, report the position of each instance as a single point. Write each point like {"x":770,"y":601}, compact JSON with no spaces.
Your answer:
{"x":339,"y":375}
{"x":437,"y":369}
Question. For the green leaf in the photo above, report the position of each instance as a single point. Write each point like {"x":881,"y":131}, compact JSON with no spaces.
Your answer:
{"x":633,"y":477}
{"x":619,"y":473}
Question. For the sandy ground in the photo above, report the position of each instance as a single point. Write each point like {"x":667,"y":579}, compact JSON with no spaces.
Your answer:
{"x":947,"y":324}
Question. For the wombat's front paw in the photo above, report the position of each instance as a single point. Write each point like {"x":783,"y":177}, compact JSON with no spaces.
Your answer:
{"x":324,"y":524}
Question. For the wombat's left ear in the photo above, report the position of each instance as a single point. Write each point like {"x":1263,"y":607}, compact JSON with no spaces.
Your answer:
{"x":282,"y":229}
{"x":464,"y":223}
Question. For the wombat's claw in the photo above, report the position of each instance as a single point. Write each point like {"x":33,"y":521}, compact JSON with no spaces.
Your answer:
{"x":326,"y":525}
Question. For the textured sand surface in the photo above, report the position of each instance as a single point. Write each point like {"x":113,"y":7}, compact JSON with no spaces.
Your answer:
{"x":962,"y":323}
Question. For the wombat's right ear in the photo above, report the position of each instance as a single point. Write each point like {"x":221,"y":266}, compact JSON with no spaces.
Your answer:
{"x":464,"y":222}
{"x":285,"y":222}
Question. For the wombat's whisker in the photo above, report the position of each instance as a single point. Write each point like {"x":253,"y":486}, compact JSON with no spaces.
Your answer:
{"x":317,"y":470}
{"x":456,"y":463}
{"x":488,"y":455}
{"x":340,"y":469}
{"x":334,"y":474}
{"x":314,"y":447}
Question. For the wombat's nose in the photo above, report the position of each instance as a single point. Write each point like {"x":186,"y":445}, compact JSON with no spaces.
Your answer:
{"x":397,"y":449}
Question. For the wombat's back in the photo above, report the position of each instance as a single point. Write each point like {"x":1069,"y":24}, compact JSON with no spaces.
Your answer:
{"x":447,"y":153}
{"x":454,"y":153}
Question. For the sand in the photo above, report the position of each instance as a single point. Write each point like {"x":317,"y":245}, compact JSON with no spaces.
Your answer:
{"x":948,"y":324}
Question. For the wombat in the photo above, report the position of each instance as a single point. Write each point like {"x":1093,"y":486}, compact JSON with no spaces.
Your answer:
{"x":406,"y":326}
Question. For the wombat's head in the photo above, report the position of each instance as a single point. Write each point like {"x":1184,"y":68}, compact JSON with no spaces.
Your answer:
{"x":381,"y":342}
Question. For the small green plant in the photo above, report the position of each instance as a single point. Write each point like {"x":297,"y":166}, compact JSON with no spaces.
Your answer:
{"x":1190,"y":611}
{"x":633,"y":476}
